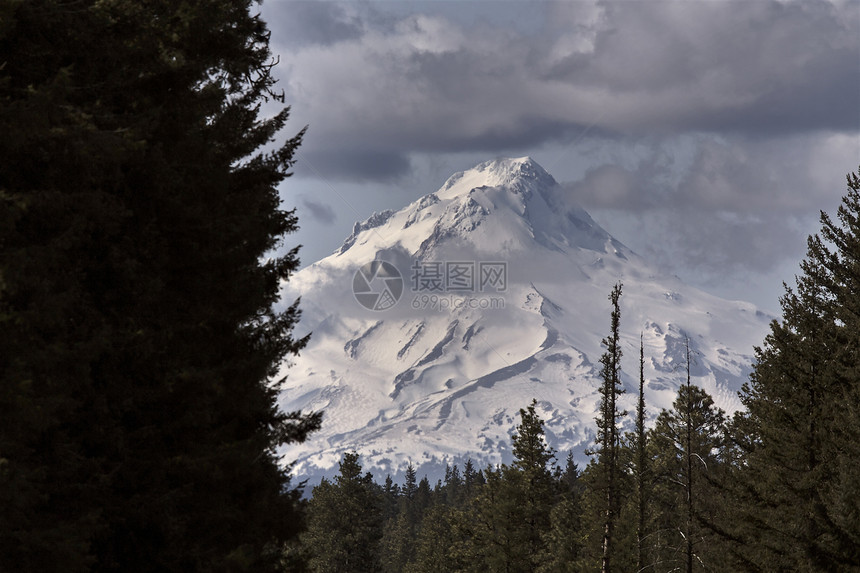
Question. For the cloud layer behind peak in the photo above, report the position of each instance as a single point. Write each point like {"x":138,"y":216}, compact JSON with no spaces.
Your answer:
{"x":712,"y":132}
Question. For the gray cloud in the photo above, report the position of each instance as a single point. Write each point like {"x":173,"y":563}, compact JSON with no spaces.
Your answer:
{"x":306,"y":22}
{"x":319,"y":211}
{"x":423,"y":83}
{"x":357,"y":165}
{"x":791,"y":175}
{"x":731,"y":206}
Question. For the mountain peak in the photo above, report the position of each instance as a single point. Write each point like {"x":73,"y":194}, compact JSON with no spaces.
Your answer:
{"x":501,"y":299}
{"x":511,"y":168}
{"x":500,"y":172}
{"x":500,"y":206}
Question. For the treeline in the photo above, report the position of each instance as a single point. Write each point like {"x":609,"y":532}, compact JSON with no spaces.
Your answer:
{"x":776,"y":487}
{"x":537,"y":514}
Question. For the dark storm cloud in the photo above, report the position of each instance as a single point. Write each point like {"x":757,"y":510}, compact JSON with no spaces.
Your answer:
{"x":428,"y":83}
{"x":300,"y":23}
{"x":746,"y":67}
{"x":650,"y":46}
{"x":319,"y":211}
{"x":358,"y":165}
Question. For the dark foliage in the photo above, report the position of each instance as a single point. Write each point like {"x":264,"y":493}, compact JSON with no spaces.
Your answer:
{"x":138,"y":339}
{"x":798,"y":438}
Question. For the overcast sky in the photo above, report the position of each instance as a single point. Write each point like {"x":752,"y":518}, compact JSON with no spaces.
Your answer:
{"x":706,"y":135}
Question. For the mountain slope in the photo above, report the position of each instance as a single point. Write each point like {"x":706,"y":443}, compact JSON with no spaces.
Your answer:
{"x":503,"y":298}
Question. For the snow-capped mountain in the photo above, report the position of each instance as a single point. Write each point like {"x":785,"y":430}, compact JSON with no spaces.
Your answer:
{"x":493,"y":291}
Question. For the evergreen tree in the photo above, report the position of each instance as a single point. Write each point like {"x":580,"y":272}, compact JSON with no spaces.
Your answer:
{"x":564,"y":539}
{"x":508,"y":521}
{"x":410,"y":485}
{"x":390,"y":497}
{"x":798,"y":508}
{"x":570,"y":476}
{"x":605,"y":472}
{"x":485,"y":540}
{"x":398,"y":545}
{"x":686,"y":442}
{"x":423,"y":499}
{"x":532,"y":487}
{"x":453,"y":485}
{"x":138,"y":337}
{"x":472,"y":479}
{"x":438,"y":542}
{"x":641,"y":467}
{"x":344,"y":522}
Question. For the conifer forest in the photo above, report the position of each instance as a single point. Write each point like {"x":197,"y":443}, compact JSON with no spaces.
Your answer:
{"x":141,"y":338}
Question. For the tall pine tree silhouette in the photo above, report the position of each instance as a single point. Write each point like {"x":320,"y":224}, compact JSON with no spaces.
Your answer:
{"x":686,"y":442}
{"x":605,"y":470}
{"x":641,"y":466}
{"x":345,"y":521}
{"x":801,"y":432}
{"x":138,"y":335}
